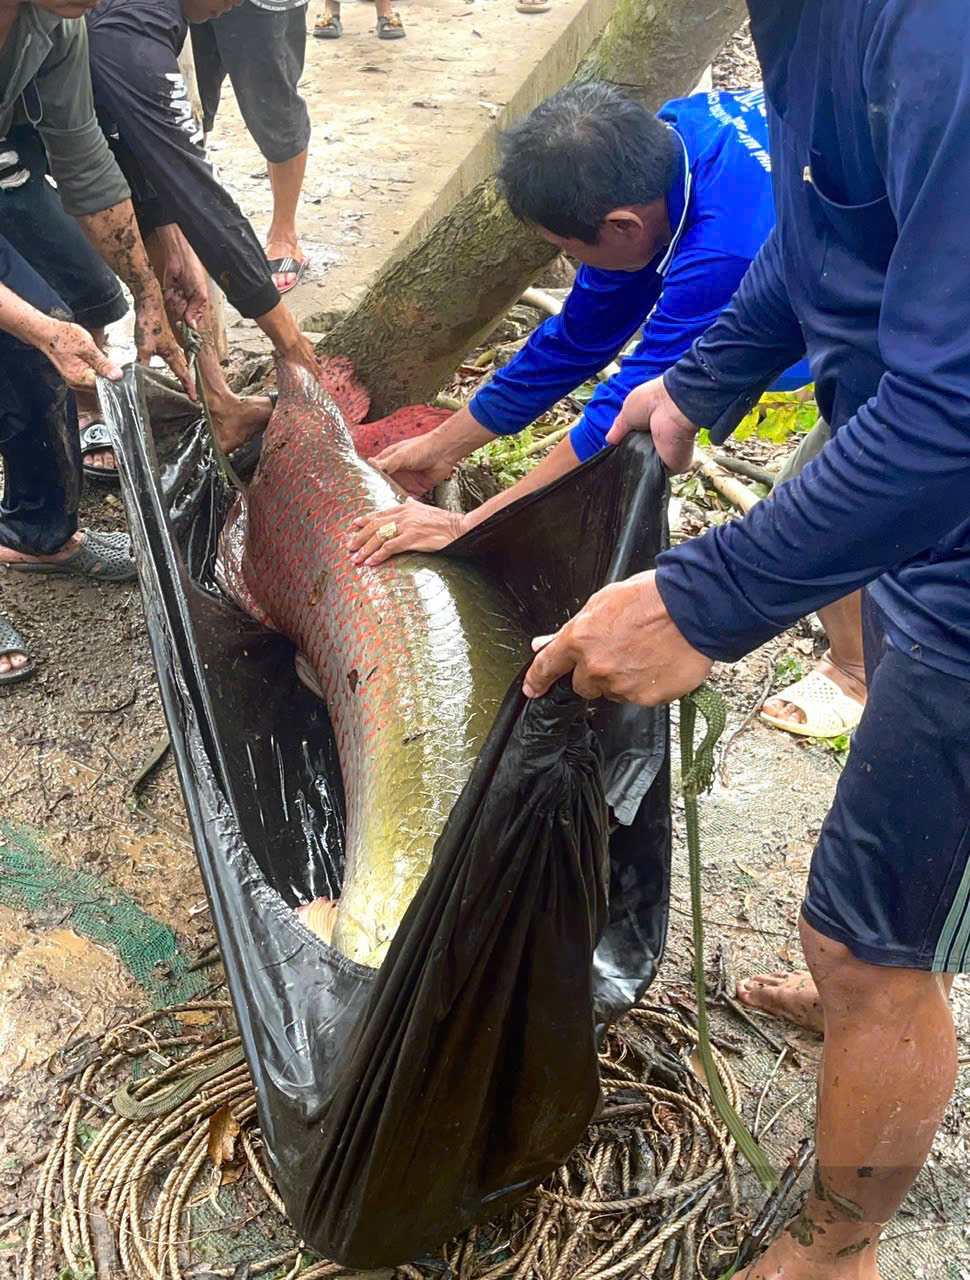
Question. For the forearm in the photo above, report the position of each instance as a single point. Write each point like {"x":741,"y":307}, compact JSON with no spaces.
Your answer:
{"x":880,"y":493}
{"x":558,"y":463}
{"x":114,"y":234}
{"x":755,"y":339}
{"x":458,"y":436}
{"x":601,"y":313}
{"x":281,"y":328}
{"x":23,"y":321}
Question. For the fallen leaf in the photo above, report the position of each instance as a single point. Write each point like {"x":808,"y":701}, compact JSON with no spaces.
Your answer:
{"x":231,"y":1173}
{"x":223,"y":1129}
{"x":697,"y":1066}
{"x":195,"y":1018}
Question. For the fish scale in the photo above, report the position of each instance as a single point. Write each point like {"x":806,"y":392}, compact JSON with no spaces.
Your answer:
{"x":413,"y":656}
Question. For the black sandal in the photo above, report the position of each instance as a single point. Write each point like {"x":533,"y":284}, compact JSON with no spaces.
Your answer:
{"x":390,"y":27}
{"x":328,"y":28}
{"x":96,"y":438}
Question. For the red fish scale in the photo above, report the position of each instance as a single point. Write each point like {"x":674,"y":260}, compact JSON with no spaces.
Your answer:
{"x":413,"y":656}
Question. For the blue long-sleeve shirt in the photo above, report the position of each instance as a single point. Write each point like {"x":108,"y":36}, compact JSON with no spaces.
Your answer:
{"x":721,"y":211}
{"x":869,"y":265}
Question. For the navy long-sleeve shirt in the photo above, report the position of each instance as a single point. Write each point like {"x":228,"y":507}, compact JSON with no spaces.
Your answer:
{"x":869,"y":266}
{"x":143,"y":104}
{"x":721,"y":210}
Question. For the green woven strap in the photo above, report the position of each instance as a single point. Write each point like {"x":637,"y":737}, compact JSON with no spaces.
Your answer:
{"x":192,"y":342}
{"x":697,"y":776}
{"x":165,"y":1101}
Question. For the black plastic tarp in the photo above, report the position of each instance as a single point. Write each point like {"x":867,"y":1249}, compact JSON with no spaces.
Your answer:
{"x":400,"y":1105}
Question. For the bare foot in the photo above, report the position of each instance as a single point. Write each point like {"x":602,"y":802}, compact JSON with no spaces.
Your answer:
{"x":239,"y":419}
{"x":792,"y":996}
{"x":9,"y":556}
{"x":845,"y":1253}
{"x":849,"y":676}
{"x":320,"y":916}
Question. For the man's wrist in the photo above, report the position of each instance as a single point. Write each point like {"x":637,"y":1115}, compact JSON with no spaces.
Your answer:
{"x":281,"y":328}
{"x":459,"y":436}
{"x":38,"y":330}
{"x":449,"y":447}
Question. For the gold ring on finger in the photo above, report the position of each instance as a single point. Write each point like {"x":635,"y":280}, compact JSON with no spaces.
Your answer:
{"x":387,"y":531}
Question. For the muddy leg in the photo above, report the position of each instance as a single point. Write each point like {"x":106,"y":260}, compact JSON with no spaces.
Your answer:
{"x":875,"y":1126}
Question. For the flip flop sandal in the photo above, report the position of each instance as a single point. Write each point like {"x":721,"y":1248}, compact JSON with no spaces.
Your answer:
{"x":278,"y":266}
{"x":828,"y":711}
{"x":11,"y":642}
{"x":95,"y":438}
{"x":328,"y":28}
{"x":103,"y":556}
{"x":390,"y":28}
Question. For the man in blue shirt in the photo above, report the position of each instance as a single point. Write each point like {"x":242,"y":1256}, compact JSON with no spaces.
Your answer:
{"x":867,"y":268}
{"x":666,"y":214}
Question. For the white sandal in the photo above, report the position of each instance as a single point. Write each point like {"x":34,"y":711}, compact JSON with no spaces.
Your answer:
{"x":828,"y":711}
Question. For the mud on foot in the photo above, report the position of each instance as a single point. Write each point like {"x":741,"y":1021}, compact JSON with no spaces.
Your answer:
{"x":792,"y":996}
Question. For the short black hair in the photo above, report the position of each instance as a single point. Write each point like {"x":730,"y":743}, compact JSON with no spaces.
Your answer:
{"x":583,"y":152}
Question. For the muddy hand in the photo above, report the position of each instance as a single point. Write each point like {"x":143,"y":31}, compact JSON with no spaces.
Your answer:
{"x":622,"y":645}
{"x":154,"y":337}
{"x":185,"y":291}
{"x":77,"y":357}
{"x":413,"y":526}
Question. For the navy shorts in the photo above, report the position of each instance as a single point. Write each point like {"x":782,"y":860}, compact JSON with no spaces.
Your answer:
{"x":33,"y":220}
{"x":890,"y":877}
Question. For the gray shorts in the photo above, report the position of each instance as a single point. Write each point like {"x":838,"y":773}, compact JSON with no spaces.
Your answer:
{"x":810,"y":447}
{"x":262,"y":51}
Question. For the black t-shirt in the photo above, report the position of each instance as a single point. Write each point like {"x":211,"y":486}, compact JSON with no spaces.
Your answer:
{"x":145,"y":110}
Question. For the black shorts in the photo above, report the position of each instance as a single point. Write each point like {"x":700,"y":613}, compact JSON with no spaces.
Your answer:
{"x":33,"y":220}
{"x":890,"y":877}
{"x":262,"y":51}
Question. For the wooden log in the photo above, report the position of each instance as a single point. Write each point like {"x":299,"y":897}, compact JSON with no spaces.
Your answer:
{"x":432,"y":306}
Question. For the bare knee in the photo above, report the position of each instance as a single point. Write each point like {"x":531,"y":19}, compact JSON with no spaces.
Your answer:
{"x":850,"y":988}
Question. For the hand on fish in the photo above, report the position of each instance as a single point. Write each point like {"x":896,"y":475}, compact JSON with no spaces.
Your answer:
{"x":622,"y":645}
{"x":413,"y":526}
{"x":416,"y":465}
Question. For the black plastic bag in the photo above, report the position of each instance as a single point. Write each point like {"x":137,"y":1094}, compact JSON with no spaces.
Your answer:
{"x":398,"y":1106}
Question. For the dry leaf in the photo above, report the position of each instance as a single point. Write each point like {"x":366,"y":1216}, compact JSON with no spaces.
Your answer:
{"x":747,"y":870}
{"x":697,"y":1066}
{"x":195,"y":1018}
{"x":231,"y":1173}
{"x":223,"y":1129}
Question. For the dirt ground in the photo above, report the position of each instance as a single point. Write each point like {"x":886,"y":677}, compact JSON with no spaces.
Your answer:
{"x":392,"y":123}
{"x":75,"y":741}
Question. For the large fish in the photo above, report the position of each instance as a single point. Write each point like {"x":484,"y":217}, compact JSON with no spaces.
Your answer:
{"x":413,"y":657}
